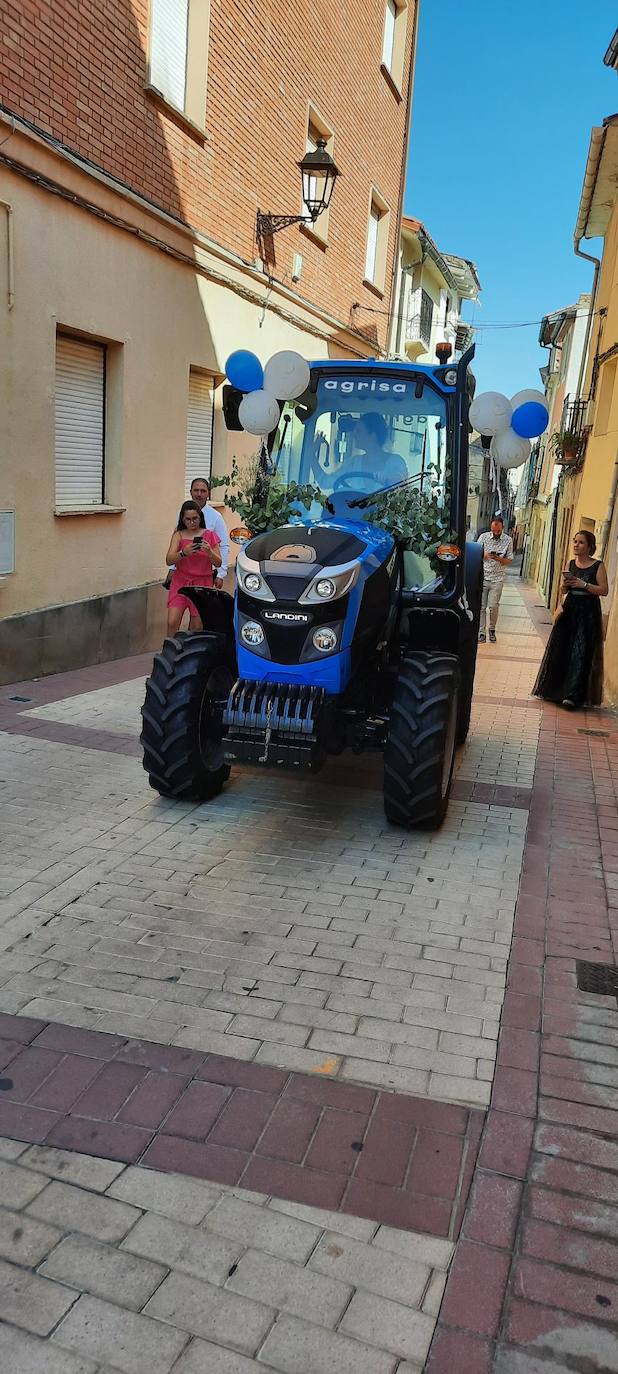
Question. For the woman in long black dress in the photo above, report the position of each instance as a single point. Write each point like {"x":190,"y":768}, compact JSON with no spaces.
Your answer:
{"x":572,"y":667}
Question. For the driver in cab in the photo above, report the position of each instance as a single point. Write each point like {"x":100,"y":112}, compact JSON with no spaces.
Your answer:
{"x":370,"y":456}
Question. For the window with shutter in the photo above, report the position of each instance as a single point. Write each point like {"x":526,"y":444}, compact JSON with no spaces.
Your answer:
{"x":168,"y":49}
{"x":389,"y":34}
{"x":79,"y":423}
{"x":200,"y":408}
{"x":372,"y":244}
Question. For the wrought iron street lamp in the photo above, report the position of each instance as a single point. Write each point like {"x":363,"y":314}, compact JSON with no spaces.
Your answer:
{"x":319,"y":173}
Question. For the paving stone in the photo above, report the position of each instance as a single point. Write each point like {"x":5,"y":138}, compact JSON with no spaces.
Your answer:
{"x":24,"y":1241}
{"x":31,"y":1302}
{"x":298,"y":1347}
{"x":19,"y":1186}
{"x":371,"y":1269}
{"x":353,"y":1226}
{"x":214,"y":1313}
{"x":389,"y":1326}
{"x":183,"y":1247}
{"x":129,"y":1342}
{"x":285,"y":1236}
{"x":290,"y":1288}
{"x":89,"y":1213}
{"x":201,"y":1357}
{"x":104,"y":1271}
{"x":427,"y":1250}
{"x":170,"y":1195}
{"x":21,"y":1353}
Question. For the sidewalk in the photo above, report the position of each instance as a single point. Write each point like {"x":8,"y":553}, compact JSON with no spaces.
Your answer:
{"x":249,"y":1051}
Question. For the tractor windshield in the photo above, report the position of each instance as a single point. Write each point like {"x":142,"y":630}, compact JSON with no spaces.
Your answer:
{"x":359,"y":434}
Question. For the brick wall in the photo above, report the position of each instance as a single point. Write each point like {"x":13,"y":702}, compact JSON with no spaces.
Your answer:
{"x":78,"y":68}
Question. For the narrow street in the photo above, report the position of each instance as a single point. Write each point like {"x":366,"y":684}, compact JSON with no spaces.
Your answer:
{"x":262,"y":1082}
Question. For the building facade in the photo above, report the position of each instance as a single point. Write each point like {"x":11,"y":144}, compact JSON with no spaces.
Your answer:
{"x":594,"y":496}
{"x":430,"y":291}
{"x":138,"y":141}
{"x":564,"y":334}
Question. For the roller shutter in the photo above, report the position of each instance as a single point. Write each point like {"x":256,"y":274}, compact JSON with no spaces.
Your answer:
{"x":79,"y":423}
{"x":200,"y":409}
{"x":168,"y":49}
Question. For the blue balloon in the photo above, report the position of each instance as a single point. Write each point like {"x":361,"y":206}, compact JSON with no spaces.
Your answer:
{"x":530,"y":420}
{"x":245,"y":371}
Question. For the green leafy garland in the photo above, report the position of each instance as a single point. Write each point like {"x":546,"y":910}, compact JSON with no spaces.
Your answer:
{"x":265,"y":502}
{"x":413,"y":517}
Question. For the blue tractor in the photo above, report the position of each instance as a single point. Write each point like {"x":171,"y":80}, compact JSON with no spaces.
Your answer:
{"x":340,"y":634}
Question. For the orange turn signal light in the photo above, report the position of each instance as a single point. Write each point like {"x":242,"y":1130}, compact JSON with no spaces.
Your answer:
{"x":240,"y":535}
{"x":448,"y":552}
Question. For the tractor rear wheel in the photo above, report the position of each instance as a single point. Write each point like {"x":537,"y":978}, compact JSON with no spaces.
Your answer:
{"x":182,"y":716}
{"x":420,"y":749}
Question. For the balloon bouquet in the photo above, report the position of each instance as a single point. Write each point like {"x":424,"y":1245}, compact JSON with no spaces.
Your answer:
{"x":511,"y":425}
{"x":285,"y":378}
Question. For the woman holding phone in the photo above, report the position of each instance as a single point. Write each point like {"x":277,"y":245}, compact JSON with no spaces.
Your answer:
{"x":194,"y":554}
{"x":572,"y":667}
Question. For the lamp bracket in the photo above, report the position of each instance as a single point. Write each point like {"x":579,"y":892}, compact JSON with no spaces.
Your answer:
{"x":268,"y":224}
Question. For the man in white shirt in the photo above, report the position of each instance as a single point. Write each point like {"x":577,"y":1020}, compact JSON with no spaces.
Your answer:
{"x":497,"y":554}
{"x":200,"y":493}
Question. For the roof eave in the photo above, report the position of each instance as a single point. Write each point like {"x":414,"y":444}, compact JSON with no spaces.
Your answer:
{"x":598,"y":139}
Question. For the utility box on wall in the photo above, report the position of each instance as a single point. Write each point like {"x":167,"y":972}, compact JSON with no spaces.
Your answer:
{"x":7,"y":542}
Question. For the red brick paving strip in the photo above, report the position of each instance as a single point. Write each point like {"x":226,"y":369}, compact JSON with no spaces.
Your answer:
{"x":399,"y":1160}
{"x":537,"y":1263}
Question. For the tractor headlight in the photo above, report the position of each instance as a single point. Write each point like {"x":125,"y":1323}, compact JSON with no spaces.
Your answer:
{"x":324,"y":639}
{"x":251,"y":581}
{"x":450,"y":376}
{"x":252,"y":633}
{"x":327,"y":588}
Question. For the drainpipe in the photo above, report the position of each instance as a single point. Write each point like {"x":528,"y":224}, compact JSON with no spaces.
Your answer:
{"x":10,"y":254}
{"x":593,"y":296}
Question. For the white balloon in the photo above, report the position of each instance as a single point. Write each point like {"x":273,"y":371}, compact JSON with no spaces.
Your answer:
{"x":508,"y":450}
{"x":490,"y":413}
{"x":258,"y":412}
{"x":286,"y":375}
{"x":522,"y":397}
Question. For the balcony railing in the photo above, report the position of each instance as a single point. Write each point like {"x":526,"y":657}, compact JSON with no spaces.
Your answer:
{"x":426,"y":317}
{"x":574,"y":413}
{"x":420,"y":322}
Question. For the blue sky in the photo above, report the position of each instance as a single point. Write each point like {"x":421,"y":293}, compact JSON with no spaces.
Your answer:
{"x":505,"y":98}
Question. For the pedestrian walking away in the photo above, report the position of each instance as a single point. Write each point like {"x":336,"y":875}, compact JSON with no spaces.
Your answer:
{"x":572,"y":668}
{"x":497,"y":555}
{"x":194,"y":555}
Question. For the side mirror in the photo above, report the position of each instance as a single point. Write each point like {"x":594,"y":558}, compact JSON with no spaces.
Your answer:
{"x":232,"y":398}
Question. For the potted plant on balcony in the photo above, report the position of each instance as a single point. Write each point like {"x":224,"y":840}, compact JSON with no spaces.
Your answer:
{"x":565,"y":445}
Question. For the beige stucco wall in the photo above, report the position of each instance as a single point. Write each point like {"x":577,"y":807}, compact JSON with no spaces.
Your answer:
{"x":74,"y":270}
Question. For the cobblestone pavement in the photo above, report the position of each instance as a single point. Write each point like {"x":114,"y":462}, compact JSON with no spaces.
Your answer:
{"x":248,"y":1050}
{"x":286,"y":923}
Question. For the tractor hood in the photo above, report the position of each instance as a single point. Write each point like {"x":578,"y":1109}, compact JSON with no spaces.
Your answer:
{"x":289,"y":559}
{"x":311,"y":600}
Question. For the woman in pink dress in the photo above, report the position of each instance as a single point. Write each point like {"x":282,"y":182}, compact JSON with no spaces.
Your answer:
{"x":193,"y":554}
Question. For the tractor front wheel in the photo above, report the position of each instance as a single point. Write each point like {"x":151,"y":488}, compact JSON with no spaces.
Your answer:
{"x":182,"y":716}
{"x":420,"y":749}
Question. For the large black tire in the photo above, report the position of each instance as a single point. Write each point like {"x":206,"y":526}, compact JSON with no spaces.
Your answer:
{"x":470,"y":637}
{"x":182,"y":722}
{"x":420,"y":749}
